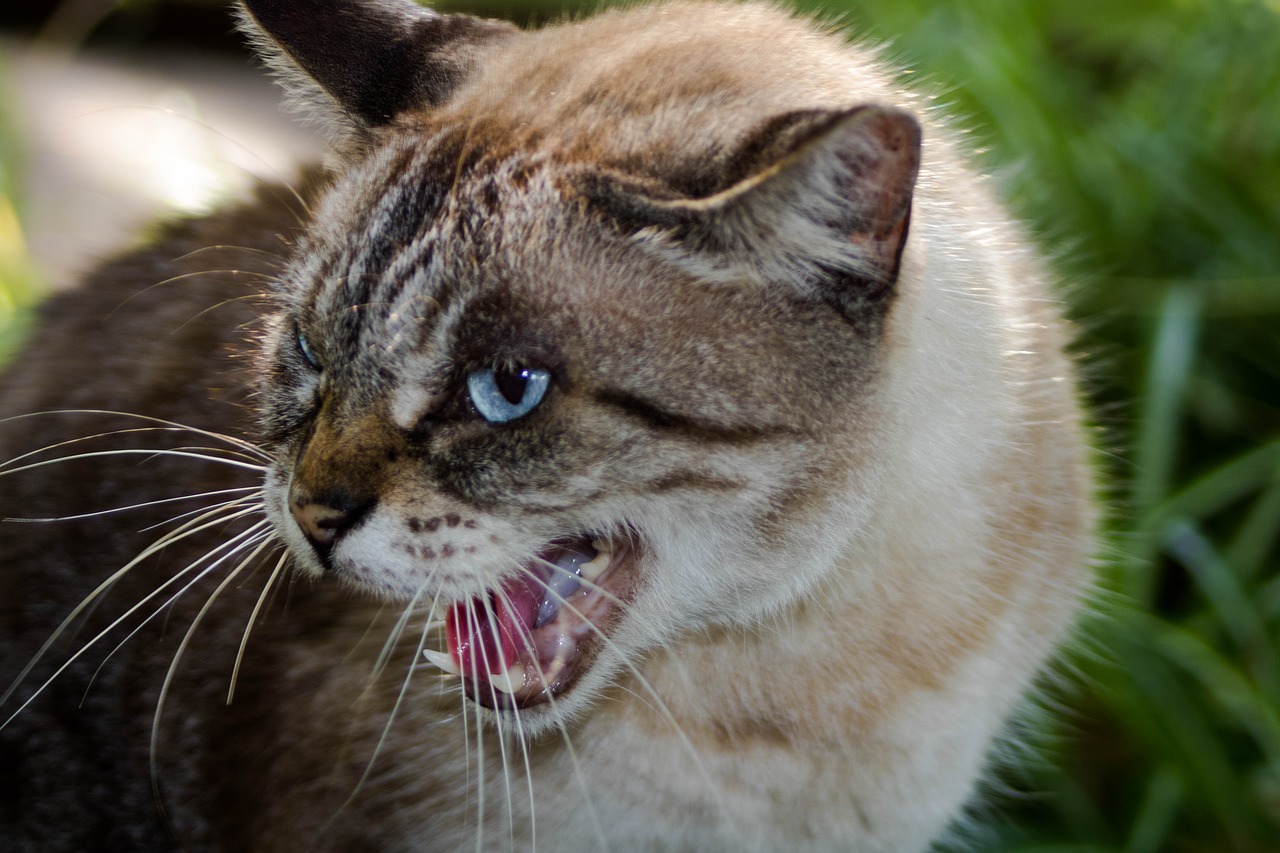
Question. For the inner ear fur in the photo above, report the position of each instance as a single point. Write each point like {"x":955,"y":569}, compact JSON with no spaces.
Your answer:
{"x":372,"y":59}
{"x":822,"y":197}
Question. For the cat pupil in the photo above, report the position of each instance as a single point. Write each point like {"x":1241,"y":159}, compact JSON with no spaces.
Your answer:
{"x":512,"y":384}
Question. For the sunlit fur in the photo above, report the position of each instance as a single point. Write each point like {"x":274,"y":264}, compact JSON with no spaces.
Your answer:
{"x":851,"y":482}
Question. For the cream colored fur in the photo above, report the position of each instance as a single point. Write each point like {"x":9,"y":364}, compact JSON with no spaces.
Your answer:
{"x":855,"y":489}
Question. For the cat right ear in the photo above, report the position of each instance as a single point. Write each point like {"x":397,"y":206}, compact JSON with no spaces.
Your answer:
{"x":367,"y":61}
{"x":817,"y":198}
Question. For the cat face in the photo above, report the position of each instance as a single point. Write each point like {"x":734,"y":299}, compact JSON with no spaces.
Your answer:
{"x":492,"y":400}
{"x":576,"y":396}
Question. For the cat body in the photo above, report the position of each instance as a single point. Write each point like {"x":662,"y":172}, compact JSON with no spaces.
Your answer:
{"x":672,"y":359}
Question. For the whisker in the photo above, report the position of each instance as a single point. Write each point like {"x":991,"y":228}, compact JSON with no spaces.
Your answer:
{"x":499,"y":718}
{"x":142,"y":505}
{"x":388,"y":646}
{"x":248,"y":250}
{"x":173,"y":279}
{"x":182,"y":647}
{"x":254,"y":498}
{"x":570,"y":750}
{"x":246,"y":539}
{"x":225,"y":302}
{"x":253,"y":618}
{"x":467,"y":738}
{"x":473,"y":623}
{"x":152,"y":453}
{"x":395,"y":707}
{"x":216,"y":436}
{"x":520,"y":739}
{"x":523,"y":740}
{"x":659,"y":705}
{"x":112,"y":434}
{"x":188,"y":528}
{"x":227,"y":452}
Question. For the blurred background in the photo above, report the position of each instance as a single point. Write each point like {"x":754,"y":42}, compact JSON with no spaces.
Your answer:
{"x":1141,"y":142}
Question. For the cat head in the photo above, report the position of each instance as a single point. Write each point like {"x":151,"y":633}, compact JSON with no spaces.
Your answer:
{"x":580,"y":349}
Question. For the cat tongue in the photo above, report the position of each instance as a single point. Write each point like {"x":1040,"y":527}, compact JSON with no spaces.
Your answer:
{"x":487,"y":637}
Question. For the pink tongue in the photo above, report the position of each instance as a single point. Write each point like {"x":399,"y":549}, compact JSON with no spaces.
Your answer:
{"x":489,"y":639}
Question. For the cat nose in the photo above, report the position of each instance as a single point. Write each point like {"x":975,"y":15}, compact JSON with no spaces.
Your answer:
{"x":324,"y":520}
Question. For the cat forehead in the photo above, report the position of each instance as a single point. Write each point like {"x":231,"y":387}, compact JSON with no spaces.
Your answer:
{"x":419,"y":215}
{"x":432,"y":253}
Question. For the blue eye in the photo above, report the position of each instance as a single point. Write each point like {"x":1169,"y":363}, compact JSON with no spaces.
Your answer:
{"x":304,"y":347}
{"x":501,"y":395}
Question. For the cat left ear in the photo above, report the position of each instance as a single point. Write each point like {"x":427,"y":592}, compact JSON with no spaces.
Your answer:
{"x":372,"y":59}
{"x":817,"y":197}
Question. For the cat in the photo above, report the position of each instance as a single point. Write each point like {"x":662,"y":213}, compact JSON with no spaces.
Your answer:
{"x":647,"y":433}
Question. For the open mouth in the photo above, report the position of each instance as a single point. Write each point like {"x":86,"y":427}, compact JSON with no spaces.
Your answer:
{"x":530,"y":640}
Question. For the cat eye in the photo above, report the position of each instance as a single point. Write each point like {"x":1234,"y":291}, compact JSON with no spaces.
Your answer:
{"x":304,"y":347}
{"x":502,"y":395}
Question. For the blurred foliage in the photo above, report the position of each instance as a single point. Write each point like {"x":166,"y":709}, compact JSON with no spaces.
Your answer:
{"x":1141,"y":141}
{"x":18,"y":279}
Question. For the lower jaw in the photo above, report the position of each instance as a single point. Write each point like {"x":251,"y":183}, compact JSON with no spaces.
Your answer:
{"x":553,"y":686}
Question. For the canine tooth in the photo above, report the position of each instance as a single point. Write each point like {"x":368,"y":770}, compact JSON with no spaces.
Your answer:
{"x":444,"y":660}
{"x":596,"y":567}
{"x":509,"y":681}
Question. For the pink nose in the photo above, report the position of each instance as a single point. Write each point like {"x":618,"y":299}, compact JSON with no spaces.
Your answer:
{"x":323,"y":521}
{"x":320,"y":523}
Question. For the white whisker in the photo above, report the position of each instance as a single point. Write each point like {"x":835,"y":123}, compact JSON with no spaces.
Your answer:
{"x":659,"y":704}
{"x":189,"y":528}
{"x":499,"y":717}
{"x":176,"y":426}
{"x":142,"y":505}
{"x":246,"y":539}
{"x":151,"y":453}
{"x":253,"y":618}
{"x":400,"y":696}
{"x":182,"y":647}
{"x":572,"y":751}
{"x":522,"y":741}
{"x":253,"y":499}
{"x":473,"y":624}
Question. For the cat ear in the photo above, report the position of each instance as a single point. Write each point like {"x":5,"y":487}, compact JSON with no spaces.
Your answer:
{"x":817,"y":197}
{"x":372,"y":59}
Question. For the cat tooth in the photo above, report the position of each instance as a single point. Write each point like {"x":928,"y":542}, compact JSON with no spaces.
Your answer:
{"x":596,"y":567}
{"x":510,"y":681}
{"x":549,"y":675}
{"x":565,"y":647}
{"x":444,"y":660}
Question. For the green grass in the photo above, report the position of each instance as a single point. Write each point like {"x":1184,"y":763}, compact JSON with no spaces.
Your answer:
{"x":19,"y":282}
{"x":1141,"y":141}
